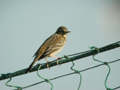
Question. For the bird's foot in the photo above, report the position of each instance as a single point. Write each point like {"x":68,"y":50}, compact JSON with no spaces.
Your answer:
{"x":58,"y":60}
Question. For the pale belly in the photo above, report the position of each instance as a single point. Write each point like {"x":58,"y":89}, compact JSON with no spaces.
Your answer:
{"x":54,"y":53}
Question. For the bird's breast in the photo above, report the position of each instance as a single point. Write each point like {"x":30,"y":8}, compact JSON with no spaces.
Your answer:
{"x":56,"y":51}
{"x":58,"y":47}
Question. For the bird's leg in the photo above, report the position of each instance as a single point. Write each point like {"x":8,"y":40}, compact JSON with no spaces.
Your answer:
{"x":47,"y":62}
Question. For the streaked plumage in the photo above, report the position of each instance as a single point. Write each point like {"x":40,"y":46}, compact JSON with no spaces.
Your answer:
{"x":51,"y":46}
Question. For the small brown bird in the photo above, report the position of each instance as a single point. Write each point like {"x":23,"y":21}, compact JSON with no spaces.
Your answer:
{"x":51,"y":46}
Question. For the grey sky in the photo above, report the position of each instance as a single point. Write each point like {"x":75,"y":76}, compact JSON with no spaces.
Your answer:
{"x":25,"y":24}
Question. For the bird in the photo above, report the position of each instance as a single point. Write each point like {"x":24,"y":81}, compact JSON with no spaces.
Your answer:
{"x":51,"y":46}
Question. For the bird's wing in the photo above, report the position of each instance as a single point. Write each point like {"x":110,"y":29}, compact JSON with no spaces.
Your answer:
{"x":42,"y":47}
{"x":54,"y":42}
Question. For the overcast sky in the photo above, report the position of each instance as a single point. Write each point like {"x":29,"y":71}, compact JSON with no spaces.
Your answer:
{"x":25,"y":24}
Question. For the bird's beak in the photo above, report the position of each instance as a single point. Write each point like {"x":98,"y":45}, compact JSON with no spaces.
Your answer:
{"x":68,"y":31}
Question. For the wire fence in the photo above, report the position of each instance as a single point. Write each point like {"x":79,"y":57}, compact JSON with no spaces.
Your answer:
{"x":65,"y":59}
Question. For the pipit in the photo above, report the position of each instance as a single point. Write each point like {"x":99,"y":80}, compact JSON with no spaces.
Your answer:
{"x":51,"y":46}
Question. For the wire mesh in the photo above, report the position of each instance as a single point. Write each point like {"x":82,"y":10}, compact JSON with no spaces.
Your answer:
{"x":68,"y":58}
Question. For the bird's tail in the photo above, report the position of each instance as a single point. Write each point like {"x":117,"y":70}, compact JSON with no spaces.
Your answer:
{"x":31,"y":65}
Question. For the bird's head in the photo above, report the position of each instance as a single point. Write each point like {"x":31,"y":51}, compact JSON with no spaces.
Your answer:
{"x":62,"y":30}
